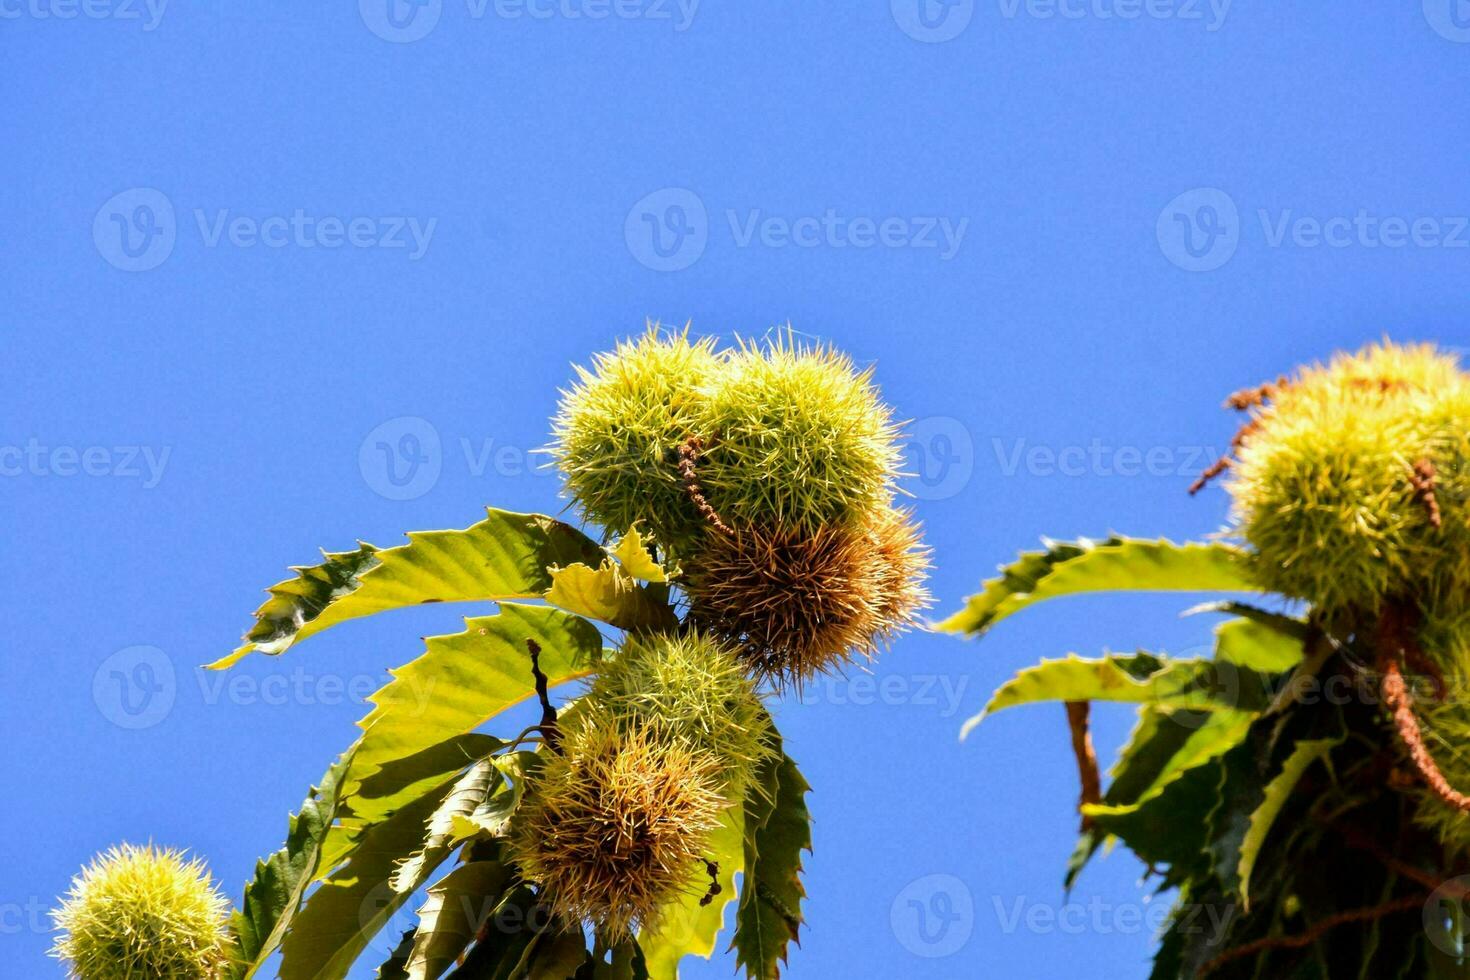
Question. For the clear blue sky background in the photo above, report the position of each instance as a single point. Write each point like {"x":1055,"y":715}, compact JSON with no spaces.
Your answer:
{"x":1066,"y":314}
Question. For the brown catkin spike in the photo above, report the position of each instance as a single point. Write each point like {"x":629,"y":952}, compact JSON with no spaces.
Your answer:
{"x":688,"y":462}
{"x":1396,"y":642}
{"x":1422,"y":479}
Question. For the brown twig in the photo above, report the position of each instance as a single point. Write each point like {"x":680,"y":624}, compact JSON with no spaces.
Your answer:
{"x":1318,"y":930}
{"x":549,"y":728}
{"x":1357,"y":839}
{"x":1087,"y":771}
{"x":688,"y":461}
{"x":1422,"y":479}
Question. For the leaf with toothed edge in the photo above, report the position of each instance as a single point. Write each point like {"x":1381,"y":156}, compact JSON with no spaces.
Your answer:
{"x":505,"y":556}
{"x":610,"y":594}
{"x":464,"y":679}
{"x":273,"y":897}
{"x":456,"y":908}
{"x":1115,"y":564}
{"x":687,"y":927}
{"x":1142,"y":678}
{"x":777,"y":832}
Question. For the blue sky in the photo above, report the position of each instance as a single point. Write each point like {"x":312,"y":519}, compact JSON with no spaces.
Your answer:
{"x":244,"y":246}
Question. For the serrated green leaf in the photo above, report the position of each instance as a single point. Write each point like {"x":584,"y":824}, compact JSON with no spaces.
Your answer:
{"x":492,"y":817}
{"x":467,"y":678}
{"x":1257,"y":646}
{"x":609,"y":594}
{"x":1280,"y":622}
{"x":469,"y":792}
{"x":505,"y":556}
{"x":1164,"y":744}
{"x":503,"y":948}
{"x":627,"y":963}
{"x":456,"y":908}
{"x":399,"y":783}
{"x":777,"y":831}
{"x":273,"y":896}
{"x":351,"y":906}
{"x":1303,"y":754}
{"x":687,"y":928}
{"x":1141,"y":678}
{"x":557,"y":956}
{"x":1116,"y":564}
{"x":1170,"y":827}
{"x":395,"y":967}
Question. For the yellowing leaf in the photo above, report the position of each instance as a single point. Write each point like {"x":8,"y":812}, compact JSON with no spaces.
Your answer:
{"x":687,"y":927}
{"x":608,"y":594}
{"x":637,"y":560}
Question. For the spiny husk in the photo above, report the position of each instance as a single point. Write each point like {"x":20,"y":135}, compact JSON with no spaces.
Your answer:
{"x":795,"y":437}
{"x":142,"y":912}
{"x":619,"y":429}
{"x":693,"y":689}
{"x":1324,"y":487}
{"x":802,"y":603}
{"x":617,"y":825}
